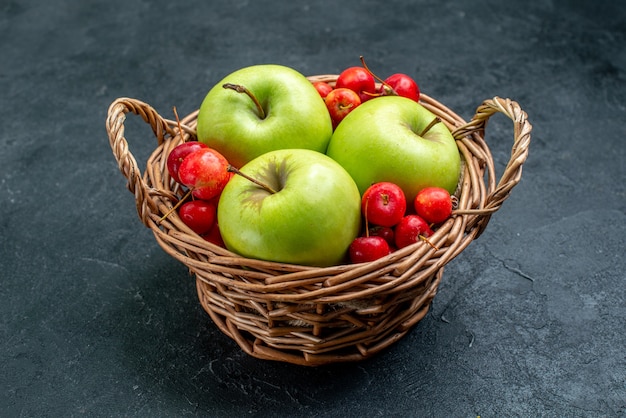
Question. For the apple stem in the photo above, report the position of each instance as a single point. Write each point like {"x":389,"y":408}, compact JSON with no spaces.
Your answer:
{"x":252,"y":179}
{"x":391,"y":90}
{"x":242,"y":89}
{"x":430,"y":125}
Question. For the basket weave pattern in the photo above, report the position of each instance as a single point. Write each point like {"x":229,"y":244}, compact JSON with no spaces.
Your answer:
{"x":309,"y":315}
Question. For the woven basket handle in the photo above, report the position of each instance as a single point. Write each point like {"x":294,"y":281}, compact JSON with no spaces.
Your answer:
{"x":521,"y":141}
{"x":125,"y":159}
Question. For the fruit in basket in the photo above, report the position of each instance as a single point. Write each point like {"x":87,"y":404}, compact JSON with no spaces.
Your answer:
{"x":395,"y":139}
{"x":214,"y":236}
{"x":205,"y":172}
{"x":398,"y":84}
{"x":340,"y":102}
{"x":383,"y":203}
{"x":401,"y":85}
{"x":385,"y":232}
{"x":434,"y":204}
{"x":323,"y":88}
{"x":359,"y":80}
{"x":293,"y":206}
{"x":263,"y":108}
{"x":199,"y":215}
{"x":178,"y":154}
{"x":410,"y":230}
{"x":368,"y":248}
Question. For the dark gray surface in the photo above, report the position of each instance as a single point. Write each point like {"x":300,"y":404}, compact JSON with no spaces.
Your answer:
{"x":96,"y":320}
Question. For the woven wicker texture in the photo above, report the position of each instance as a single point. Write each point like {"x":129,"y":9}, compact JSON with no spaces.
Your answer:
{"x":313,"y":316}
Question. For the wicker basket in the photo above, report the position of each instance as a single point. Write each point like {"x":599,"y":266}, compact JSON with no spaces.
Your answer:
{"x":314,"y":316}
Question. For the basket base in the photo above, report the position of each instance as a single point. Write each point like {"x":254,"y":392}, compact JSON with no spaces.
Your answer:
{"x":303,"y":336}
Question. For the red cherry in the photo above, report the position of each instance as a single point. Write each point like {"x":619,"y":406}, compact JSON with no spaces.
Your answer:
{"x":383,"y":204}
{"x":409,"y":230}
{"x":359,"y":80}
{"x":340,"y":102}
{"x":366,"y":249}
{"x":199,"y":215}
{"x":323,"y":88}
{"x":178,"y":154}
{"x":214,"y":236}
{"x":205,"y":172}
{"x":384,"y":232}
{"x":434,"y":204}
{"x":402,"y":85}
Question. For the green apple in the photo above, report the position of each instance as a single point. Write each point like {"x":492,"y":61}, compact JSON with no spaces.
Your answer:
{"x":389,"y":139}
{"x":302,"y":208}
{"x":263,"y":108}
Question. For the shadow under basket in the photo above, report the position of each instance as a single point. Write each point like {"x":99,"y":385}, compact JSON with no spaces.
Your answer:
{"x":308,"y":315}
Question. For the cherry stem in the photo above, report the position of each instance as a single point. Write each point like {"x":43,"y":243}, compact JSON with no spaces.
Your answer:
{"x":252,"y":179}
{"x":176,"y":206}
{"x":242,"y":89}
{"x":430,"y":125}
{"x":374,"y":94}
{"x":376,"y":77}
{"x":427,"y":241}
